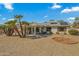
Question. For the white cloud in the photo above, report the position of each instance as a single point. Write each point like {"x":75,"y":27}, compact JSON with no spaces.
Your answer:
{"x":3,"y":18}
{"x":66,"y":10}
{"x":10,"y":19}
{"x":72,"y":18}
{"x":8,"y":6}
{"x":73,"y":9}
{"x":0,"y":15}
{"x":56,"y":6}
{"x":45,"y":16}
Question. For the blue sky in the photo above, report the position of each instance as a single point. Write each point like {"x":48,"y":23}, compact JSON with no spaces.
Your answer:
{"x":39,"y":12}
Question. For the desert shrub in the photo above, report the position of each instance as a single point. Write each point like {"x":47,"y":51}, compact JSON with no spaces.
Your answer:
{"x":49,"y":32}
{"x":57,"y":33}
{"x":73,"y":32}
{"x":65,"y":33}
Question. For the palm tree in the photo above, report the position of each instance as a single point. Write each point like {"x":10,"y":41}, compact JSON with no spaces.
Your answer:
{"x":18,"y":18}
{"x":21,"y":23}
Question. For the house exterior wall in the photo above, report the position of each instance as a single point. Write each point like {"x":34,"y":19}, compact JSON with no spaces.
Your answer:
{"x":54,"y":30}
{"x":77,"y":29}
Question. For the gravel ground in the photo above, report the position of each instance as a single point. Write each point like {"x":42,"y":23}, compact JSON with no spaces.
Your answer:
{"x":15,"y":46}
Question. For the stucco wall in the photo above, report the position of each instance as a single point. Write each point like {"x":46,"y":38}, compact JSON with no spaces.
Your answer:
{"x":54,"y":30}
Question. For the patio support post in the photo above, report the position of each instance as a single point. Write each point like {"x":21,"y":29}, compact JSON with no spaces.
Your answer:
{"x":40,"y":29}
{"x":44,"y":29}
{"x":34,"y":30}
{"x":27,"y":30}
{"x":31,"y":30}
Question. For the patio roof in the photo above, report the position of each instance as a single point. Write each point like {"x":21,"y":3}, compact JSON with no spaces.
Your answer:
{"x":47,"y":25}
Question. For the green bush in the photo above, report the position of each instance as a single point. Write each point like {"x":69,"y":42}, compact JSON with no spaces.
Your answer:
{"x":73,"y":32}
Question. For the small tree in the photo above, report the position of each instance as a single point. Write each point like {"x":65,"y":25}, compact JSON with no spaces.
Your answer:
{"x":9,"y":27}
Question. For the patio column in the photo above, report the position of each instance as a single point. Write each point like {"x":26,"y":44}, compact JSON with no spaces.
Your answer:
{"x":27,"y":29}
{"x":34,"y":30}
{"x":31,"y":30}
{"x":44,"y":29}
{"x":40,"y":30}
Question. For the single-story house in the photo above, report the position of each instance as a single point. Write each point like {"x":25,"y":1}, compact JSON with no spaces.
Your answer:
{"x":47,"y":27}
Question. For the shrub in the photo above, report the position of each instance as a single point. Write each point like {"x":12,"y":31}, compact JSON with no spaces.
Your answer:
{"x":57,"y":33}
{"x":73,"y":32}
{"x":65,"y":33}
{"x":49,"y":32}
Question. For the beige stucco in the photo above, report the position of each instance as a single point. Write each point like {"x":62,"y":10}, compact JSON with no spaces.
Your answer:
{"x":54,"y":30}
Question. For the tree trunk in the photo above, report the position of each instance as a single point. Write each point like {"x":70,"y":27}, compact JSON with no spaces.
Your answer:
{"x":21,"y":27}
{"x":16,"y":29}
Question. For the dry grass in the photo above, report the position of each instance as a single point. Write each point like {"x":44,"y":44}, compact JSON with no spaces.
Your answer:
{"x":38,"y":47}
